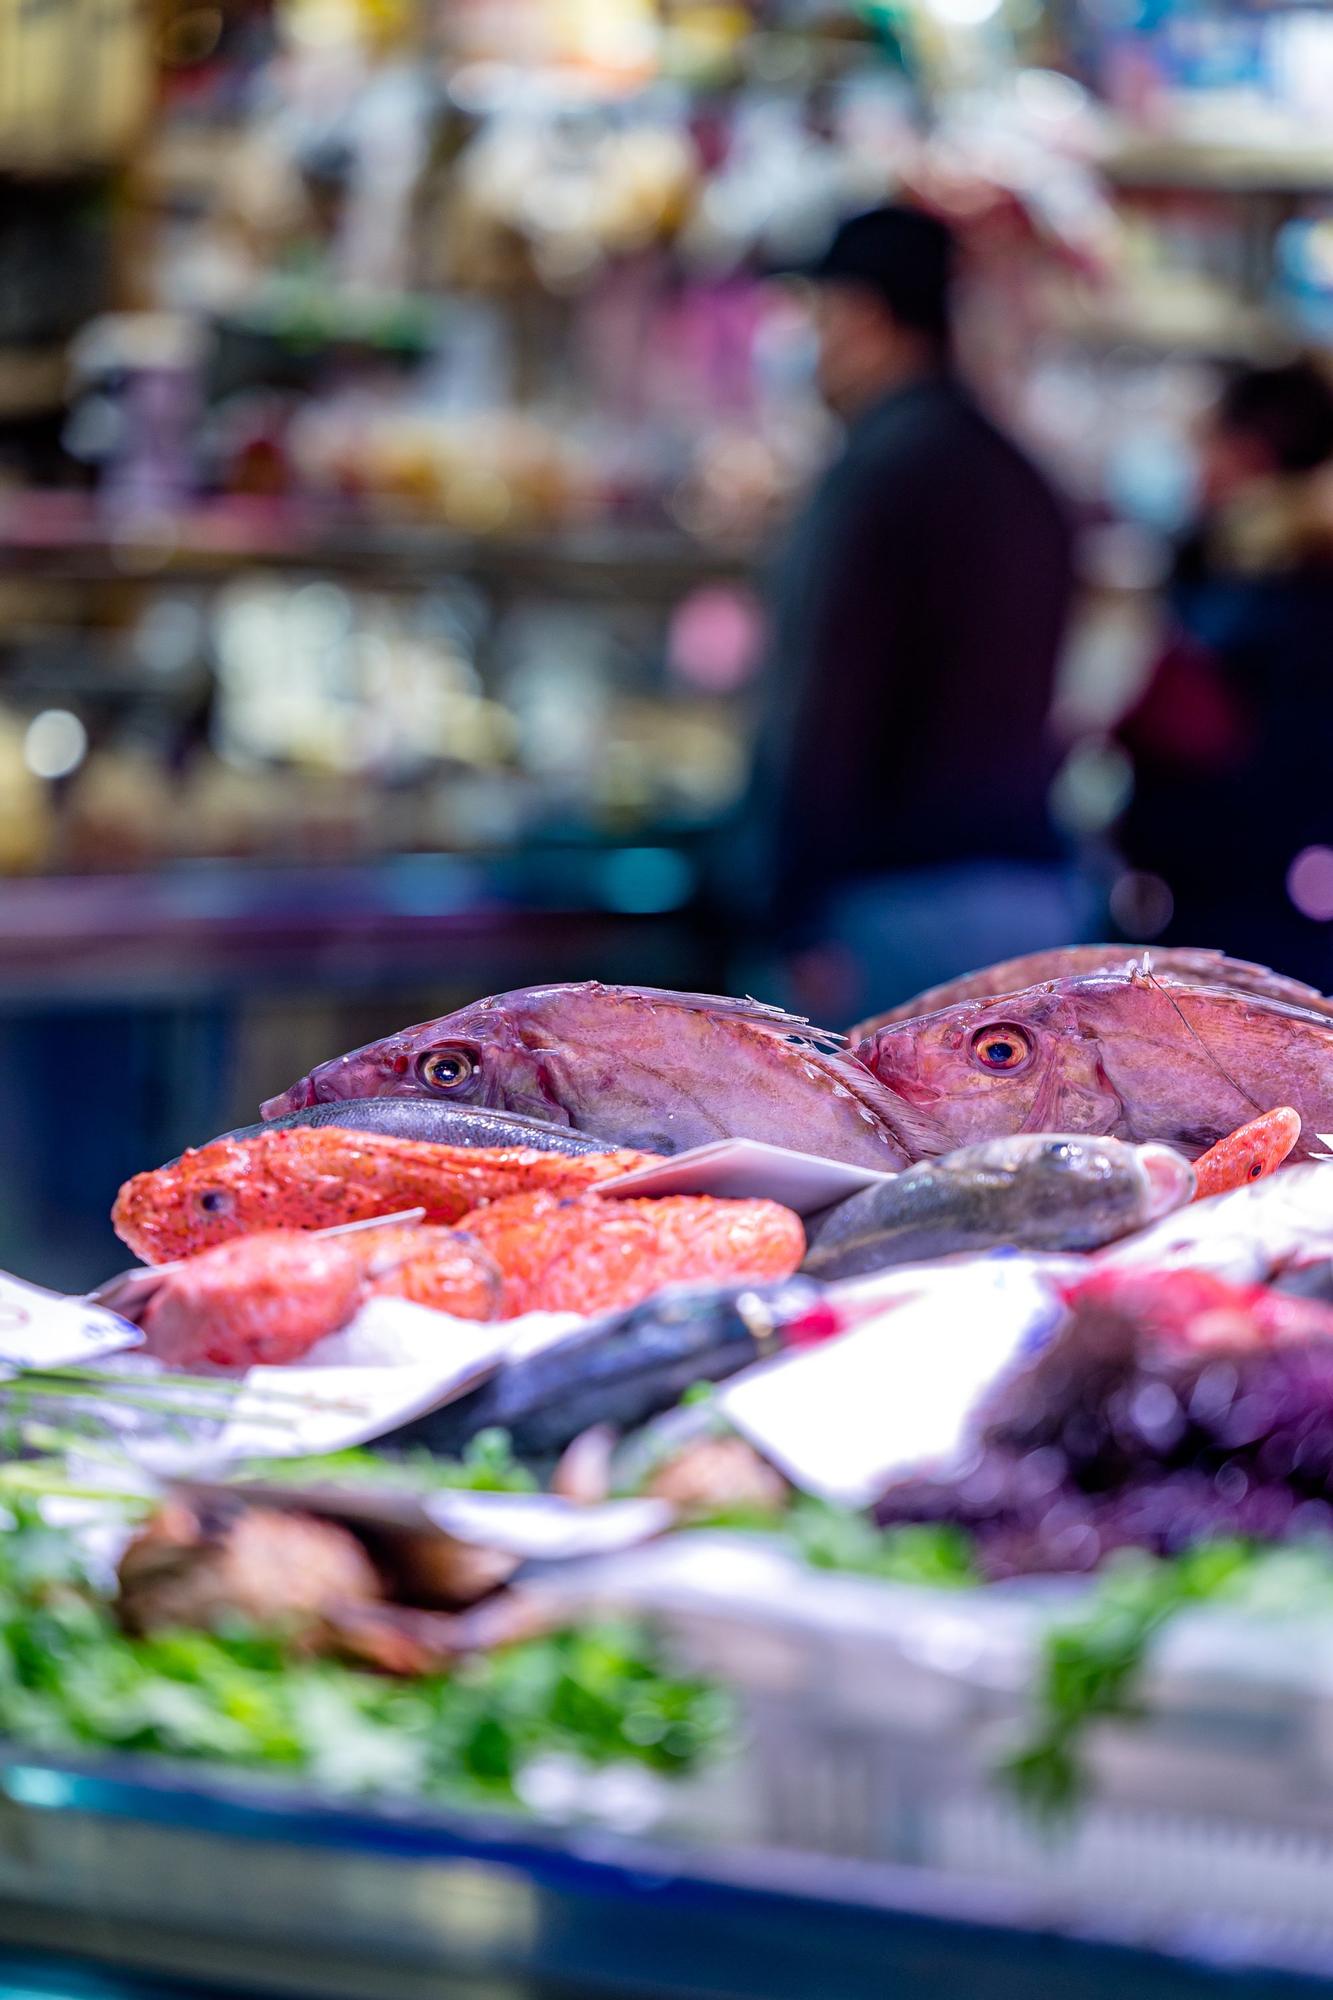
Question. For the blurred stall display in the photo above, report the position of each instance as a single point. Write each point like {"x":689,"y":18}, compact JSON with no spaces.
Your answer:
{"x":383,"y":451}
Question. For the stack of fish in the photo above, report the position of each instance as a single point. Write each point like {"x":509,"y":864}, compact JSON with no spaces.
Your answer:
{"x":1053,"y":1104}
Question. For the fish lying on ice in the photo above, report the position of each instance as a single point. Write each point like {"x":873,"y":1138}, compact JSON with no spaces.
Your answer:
{"x":1048,"y":1191}
{"x":1168,"y":962}
{"x":433,"y":1119}
{"x":638,"y":1066}
{"x":1122,"y":1053}
{"x":301,"y":1179}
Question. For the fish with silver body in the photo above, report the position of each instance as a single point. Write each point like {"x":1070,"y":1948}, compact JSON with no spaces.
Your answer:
{"x":1034,"y":1191}
{"x":623,"y":1368}
{"x":432,"y":1119}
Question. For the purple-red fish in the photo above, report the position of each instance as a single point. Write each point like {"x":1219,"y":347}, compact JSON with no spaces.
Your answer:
{"x":1175,"y":963}
{"x":638,"y":1066}
{"x":1121,"y":1053}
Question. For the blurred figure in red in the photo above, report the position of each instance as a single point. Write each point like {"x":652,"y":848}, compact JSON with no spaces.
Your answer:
{"x":919,"y":610}
{"x":1232,"y":739}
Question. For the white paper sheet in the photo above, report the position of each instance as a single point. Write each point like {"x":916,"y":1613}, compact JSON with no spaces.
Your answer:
{"x":392,"y":1363}
{"x":749,"y":1169}
{"x":844,"y":1418}
{"x":41,"y":1329}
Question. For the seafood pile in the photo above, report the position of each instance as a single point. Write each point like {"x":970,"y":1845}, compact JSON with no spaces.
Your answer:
{"x":1128,"y":1122}
{"x":1034,"y":1270}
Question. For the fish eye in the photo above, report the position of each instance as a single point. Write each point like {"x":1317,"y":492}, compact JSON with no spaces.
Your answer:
{"x":1001,"y":1046}
{"x":215,"y":1201}
{"x":446,"y":1069}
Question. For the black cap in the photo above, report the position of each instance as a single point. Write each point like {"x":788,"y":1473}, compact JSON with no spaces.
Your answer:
{"x":902,"y":254}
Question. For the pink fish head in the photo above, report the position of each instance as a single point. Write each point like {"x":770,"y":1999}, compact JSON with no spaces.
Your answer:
{"x":492,"y":1053}
{"x":984,"y":1068}
{"x":638,"y":1066}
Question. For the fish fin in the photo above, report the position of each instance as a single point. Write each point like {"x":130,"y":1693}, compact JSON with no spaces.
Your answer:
{"x":920,"y":1136}
{"x":756,"y":1013}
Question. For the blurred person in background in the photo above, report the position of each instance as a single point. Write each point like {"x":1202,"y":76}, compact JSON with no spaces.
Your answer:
{"x":901,"y":782}
{"x":1232,"y":739}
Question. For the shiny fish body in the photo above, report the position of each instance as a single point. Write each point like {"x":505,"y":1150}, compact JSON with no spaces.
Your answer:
{"x":1049,"y":1191}
{"x":637,"y":1066}
{"x":623,"y":1368}
{"x":1125,"y":1054}
{"x":432,"y":1119}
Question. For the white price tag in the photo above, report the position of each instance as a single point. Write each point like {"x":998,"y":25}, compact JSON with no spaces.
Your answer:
{"x":40,"y":1329}
{"x":749,"y":1169}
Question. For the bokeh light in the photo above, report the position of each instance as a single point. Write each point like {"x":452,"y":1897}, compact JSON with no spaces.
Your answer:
{"x":1310,"y":883}
{"x":55,"y":743}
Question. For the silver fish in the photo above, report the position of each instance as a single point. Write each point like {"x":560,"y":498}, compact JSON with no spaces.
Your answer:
{"x":431,"y":1119}
{"x":1034,"y":1191}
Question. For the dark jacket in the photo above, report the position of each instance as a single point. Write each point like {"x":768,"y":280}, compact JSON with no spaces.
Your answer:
{"x":1232,"y":740}
{"x":920,"y":605}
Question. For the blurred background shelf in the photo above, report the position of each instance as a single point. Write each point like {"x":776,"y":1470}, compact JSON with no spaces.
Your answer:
{"x":395,"y":426}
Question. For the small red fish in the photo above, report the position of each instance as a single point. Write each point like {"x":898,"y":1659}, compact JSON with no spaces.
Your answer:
{"x":1248,"y":1153}
{"x":316,"y":1178}
{"x":267,"y":1298}
{"x":590,"y":1255}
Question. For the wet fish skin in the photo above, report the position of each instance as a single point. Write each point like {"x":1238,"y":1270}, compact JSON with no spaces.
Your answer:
{"x":1047,"y":1191}
{"x":432,"y":1119}
{"x":1121,"y":1053}
{"x":1191,"y":964}
{"x":321,"y":1179}
{"x":641,"y":1066}
{"x":622,"y":1368}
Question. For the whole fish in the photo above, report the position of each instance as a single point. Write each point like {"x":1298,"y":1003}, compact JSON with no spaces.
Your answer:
{"x":637,"y":1066}
{"x":623,"y":1368}
{"x":590,"y":1256}
{"x":1122,"y":1053}
{"x":1169,"y":962}
{"x":1248,"y":1153}
{"x":1047,"y":1191}
{"x":267,"y":1298}
{"x":317,"y":1179}
{"x":433,"y":1119}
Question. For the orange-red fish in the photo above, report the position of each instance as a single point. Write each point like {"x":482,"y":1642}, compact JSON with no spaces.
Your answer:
{"x":1248,"y":1153}
{"x":590,"y":1255}
{"x":307,"y":1178}
{"x":265,"y":1299}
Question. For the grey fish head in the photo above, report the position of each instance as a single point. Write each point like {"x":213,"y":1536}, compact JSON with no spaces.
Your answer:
{"x":1075,"y":1189}
{"x":638,"y":1066}
{"x":1032,"y":1191}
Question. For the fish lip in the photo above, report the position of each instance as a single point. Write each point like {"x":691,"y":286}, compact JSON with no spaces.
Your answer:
{"x":1171,"y":1179}
{"x":300,"y":1097}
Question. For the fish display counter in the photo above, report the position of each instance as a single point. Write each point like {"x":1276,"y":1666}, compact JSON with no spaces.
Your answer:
{"x":878,"y":1500}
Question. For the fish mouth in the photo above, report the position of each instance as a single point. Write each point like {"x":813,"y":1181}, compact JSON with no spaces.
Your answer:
{"x":1171,"y":1179}
{"x":299,"y":1098}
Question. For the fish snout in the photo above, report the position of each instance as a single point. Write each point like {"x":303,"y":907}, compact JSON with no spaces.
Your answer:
{"x":1170,"y":1176}
{"x":299,"y":1098}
